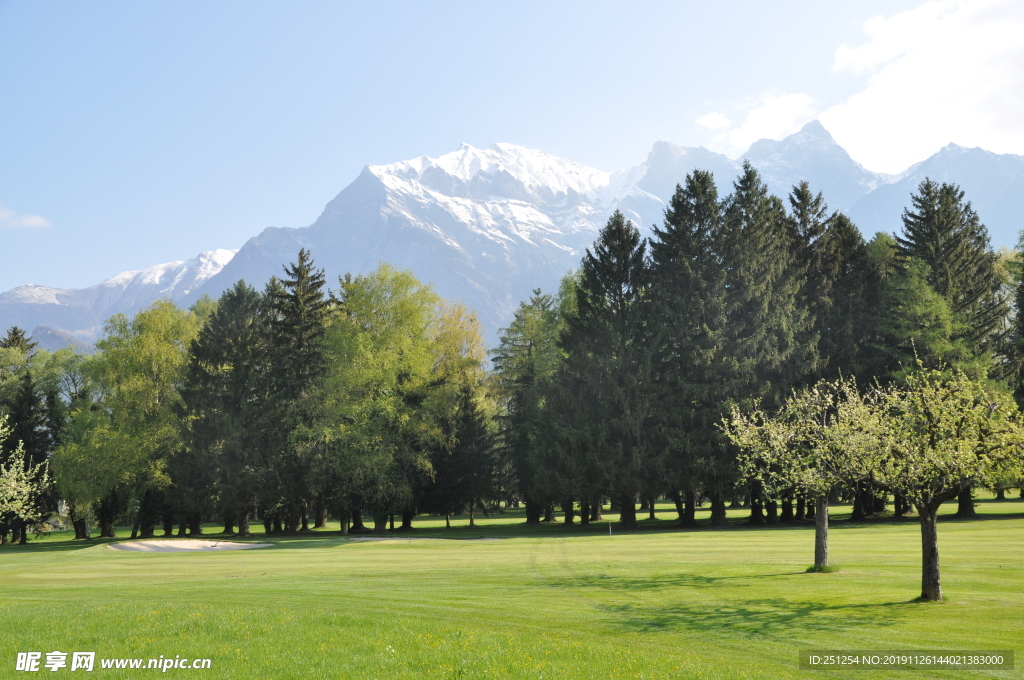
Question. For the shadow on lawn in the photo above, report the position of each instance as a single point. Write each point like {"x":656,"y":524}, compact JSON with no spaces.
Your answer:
{"x":656,"y":583}
{"x":753,"y":618}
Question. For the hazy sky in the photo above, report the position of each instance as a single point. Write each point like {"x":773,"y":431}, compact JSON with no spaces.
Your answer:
{"x":138,"y":133}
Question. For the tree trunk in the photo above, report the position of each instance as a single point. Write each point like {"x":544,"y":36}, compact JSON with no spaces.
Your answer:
{"x":380,"y":521}
{"x":584,"y":513}
{"x":756,"y":510}
{"x":195,"y":525}
{"x":899,"y":505}
{"x":689,"y":509}
{"x":677,"y":500}
{"x":965,"y":504}
{"x":613,"y":506}
{"x":357,"y":519}
{"x":407,"y":516}
{"x":718,"y":518}
{"x":650,"y":509}
{"x":183,"y":528}
{"x":168,"y":523}
{"x":344,"y":519}
{"x":801,"y":509}
{"x":772,"y":510}
{"x":78,"y":524}
{"x":472,"y":518}
{"x":787,"y":509}
{"x":135,"y":526}
{"x":23,"y":532}
{"x":627,"y":512}
{"x":243,"y":523}
{"x":229,"y":522}
{"x":1000,"y":494}
{"x":809,"y":511}
{"x":569,"y":510}
{"x":858,"y":513}
{"x":532,"y":513}
{"x":319,"y":513}
{"x":447,"y":521}
{"x":549,"y":513}
{"x":595,"y":510}
{"x":645,"y":503}
{"x":294,"y":517}
{"x":821,"y":532}
{"x":931,"y":588}
{"x":305,"y":517}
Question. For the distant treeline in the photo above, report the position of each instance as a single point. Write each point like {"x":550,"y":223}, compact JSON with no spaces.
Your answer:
{"x":295,"y":404}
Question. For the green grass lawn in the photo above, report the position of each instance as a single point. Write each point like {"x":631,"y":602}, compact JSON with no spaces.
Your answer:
{"x":552,"y":602}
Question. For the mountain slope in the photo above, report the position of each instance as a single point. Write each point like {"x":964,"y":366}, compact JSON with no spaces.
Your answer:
{"x":487,"y":226}
{"x":83,"y":311}
{"x":993,"y":183}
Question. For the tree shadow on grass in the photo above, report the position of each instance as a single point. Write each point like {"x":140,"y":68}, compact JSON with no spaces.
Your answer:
{"x":656,"y":583}
{"x":766,"y":617}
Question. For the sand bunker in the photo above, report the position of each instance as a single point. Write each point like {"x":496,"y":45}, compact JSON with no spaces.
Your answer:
{"x":187,"y":545}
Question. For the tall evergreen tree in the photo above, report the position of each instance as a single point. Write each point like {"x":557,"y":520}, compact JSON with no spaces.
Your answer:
{"x":225,"y":398}
{"x":944,"y":232}
{"x":608,"y":354}
{"x":769,"y":344}
{"x":524,"y":361}
{"x":829,"y":253}
{"x":300,"y":311}
{"x":687,"y":316}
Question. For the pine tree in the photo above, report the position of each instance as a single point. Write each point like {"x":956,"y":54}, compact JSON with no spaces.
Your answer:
{"x":17,"y":339}
{"x":608,"y":355}
{"x":769,"y":344}
{"x":687,"y":315}
{"x":524,"y":361}
{"x":945,"y":233}
{"x":829,"y":255}
{"x":298,"y":321}
{"x":225,"y":397}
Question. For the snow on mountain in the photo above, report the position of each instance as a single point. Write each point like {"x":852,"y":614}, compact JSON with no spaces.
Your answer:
{"x":55,"y":311}
{"x":488,"y":226}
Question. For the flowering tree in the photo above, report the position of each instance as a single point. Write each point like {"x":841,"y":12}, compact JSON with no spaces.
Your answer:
{"x":20,"y":483}
{"x":821,"y":436}
{"x":942,"y":433}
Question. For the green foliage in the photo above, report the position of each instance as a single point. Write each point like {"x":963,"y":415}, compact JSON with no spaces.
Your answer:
{"x":606,"y":373}
{"x":125,"y":439}
{"x":946,"y":234}
{"x":22,"y":483}
{"x":821,"y":436}
{"x":942,"y":432}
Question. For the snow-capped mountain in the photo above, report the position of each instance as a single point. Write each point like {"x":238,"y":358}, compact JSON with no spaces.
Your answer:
{"x":82,"y":311}
{"x":487,"y":226}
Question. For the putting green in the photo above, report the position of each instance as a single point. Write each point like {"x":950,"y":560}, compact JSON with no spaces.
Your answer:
{"x":553,"y":602}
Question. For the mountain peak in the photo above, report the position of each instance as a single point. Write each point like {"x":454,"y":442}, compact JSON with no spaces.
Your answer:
{"x":816,"y":129}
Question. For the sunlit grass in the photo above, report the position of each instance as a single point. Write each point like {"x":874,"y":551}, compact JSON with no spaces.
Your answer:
{"x":552,"y":602}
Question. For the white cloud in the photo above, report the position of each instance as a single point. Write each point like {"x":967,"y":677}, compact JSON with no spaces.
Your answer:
{"x":946,"y":71}
{"x":10,"y":219}
{"x":773,"y":115}
{"x":713,"y":121}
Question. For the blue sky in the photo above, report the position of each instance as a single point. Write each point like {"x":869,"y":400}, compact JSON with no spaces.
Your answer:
{"x":139,"y":133}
